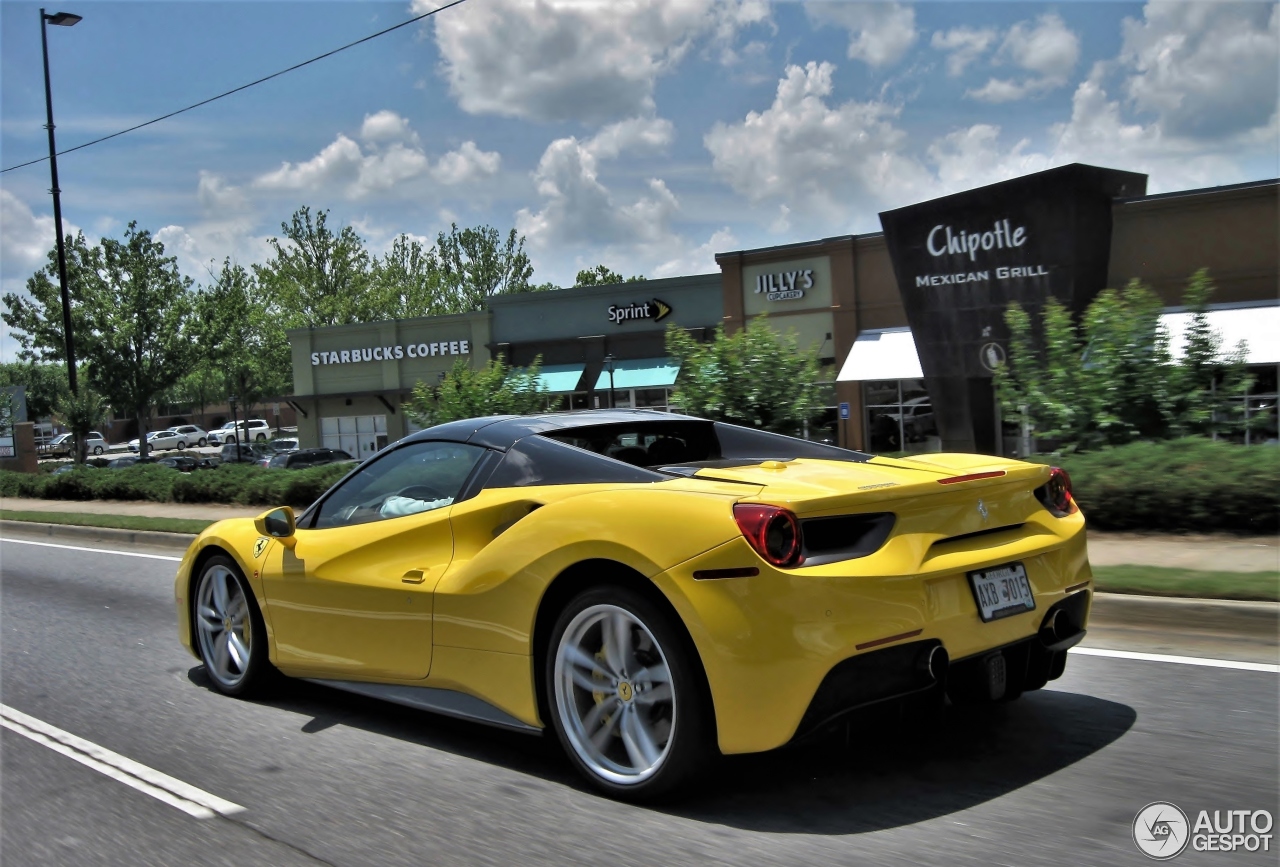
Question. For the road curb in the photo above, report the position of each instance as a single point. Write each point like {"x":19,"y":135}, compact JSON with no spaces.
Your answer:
{"x":150,"y":538}
{"x":1259,"y":620}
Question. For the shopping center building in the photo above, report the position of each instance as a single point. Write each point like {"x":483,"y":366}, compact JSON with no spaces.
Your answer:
{"x":908,"y":321}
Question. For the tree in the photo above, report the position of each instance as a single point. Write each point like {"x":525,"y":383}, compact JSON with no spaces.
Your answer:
{"x":600,"y":275}
{"x":494,"y":389}
{"x":756,"y":377}
{"x":240,"y":336}
{"x":1211,"y":381}
{"x":316,"y":277}
{"x":407,"y":281}
{"x":36,"y":318}
{"x":46,"y":385}
{"x":138,"y":315}
{"x":476,"y":264}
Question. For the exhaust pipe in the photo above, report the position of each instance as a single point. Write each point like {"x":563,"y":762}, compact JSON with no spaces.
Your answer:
{"x":1059,"y":631}
{"x":933,"y":662}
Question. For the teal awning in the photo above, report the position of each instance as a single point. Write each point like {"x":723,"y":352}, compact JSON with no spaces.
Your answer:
{"x":560,"y":377}
{"x":640,"y":373}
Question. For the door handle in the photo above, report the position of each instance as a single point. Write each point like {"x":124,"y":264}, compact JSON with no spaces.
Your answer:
{"x":414,"y":576}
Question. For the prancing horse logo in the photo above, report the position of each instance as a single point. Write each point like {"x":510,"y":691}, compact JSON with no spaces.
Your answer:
{"x":982,"y":510}
{"x":260,"y":546}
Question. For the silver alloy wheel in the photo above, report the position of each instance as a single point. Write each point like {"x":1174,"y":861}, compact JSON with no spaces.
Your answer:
{"x":97,"y":450}
{"x":224,"y":626}
{"x":614,"y":694}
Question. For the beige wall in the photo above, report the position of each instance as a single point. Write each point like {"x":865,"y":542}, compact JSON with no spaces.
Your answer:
{"x":1233,"y":233}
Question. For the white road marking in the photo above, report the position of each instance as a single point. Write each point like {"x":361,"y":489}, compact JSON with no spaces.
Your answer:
{"x":1179,"y":660}
{"x":187,"y":798}
{"x":94,"y":550}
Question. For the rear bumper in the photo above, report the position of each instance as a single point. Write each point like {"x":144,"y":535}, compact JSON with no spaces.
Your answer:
{"x":769,"y":642}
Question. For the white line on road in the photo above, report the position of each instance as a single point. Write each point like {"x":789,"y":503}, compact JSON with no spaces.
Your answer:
{"x":162,"y":787}
{"x":1179,"y":660}
{"x":94,"y":550}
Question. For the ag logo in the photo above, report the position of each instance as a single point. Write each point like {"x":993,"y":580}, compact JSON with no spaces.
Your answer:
{"x":260,"y":546}
{"x":1161,"y":831}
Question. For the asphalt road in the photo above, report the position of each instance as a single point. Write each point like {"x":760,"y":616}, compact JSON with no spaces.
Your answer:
{"x":87,"y":645}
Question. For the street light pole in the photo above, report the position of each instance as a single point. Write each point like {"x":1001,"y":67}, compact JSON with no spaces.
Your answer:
{"x":62,"y":19}
{"x":608,"y":361}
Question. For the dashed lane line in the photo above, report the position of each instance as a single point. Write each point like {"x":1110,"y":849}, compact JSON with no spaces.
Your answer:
{"x":93,"y":550}
{"x":185,"y":797}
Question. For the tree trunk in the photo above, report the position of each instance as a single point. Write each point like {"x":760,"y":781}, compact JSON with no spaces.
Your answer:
{"x":142,"y":433}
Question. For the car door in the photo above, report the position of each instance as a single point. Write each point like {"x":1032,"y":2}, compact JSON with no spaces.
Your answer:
{"x":352,"y":597}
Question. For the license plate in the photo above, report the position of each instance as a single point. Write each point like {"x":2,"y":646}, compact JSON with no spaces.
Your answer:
{"x":1002,"y":592}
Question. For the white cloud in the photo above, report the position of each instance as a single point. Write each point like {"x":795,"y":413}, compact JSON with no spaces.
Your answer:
{"x":1204,"y":69}
{"x":697,"y":260}
{"x":386,"y":125}
{"x":337,"y":164}
{"x":964,"y":45}
{"x":587,"y":60}
{"x":879,"y":33}
{"x":25,"y":239}
{"x":467,"y":163}
{"x":216,"y":196}
{"x":819,"y":160}
{"x":580,"y":210}
{"x":391,"y":160}
{"x":1048,"y":50}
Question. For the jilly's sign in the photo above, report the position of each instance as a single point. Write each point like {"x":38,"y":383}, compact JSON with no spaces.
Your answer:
{"x":784,"y":285}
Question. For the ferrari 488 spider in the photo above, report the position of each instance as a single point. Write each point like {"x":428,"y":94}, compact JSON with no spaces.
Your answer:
{"x":656,"y":589}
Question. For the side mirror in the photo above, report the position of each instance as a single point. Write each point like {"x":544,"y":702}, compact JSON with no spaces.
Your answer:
{"x":278,"y":523}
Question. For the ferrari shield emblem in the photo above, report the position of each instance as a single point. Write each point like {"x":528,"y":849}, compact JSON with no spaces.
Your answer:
{"x":260,"y":546}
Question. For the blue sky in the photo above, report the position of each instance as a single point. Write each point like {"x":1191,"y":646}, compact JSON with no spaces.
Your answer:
{"x":643,"y":135}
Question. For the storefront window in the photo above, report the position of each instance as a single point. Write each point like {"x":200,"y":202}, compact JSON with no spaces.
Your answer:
{"x":357,"y":435}
{"x":639,"y":398}
{"x":899,"y":416}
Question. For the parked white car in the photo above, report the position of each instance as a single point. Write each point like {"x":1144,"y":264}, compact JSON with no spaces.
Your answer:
{"x":195,"y":435}
{"x":259,"y":431}
{"x":162,"y":439}
{"x":63,"y":445}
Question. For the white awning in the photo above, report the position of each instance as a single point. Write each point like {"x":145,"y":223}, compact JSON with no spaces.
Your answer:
{"x":889,"y":353}
{"x":1259,"y":327}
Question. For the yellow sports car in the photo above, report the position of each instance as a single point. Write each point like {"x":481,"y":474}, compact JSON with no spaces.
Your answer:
{"x":653,"y":587}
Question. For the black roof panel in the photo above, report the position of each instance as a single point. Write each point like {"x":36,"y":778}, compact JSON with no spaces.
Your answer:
{"x":502,"y":431}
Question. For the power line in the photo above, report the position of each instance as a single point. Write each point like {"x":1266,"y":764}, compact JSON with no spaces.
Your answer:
{"x":241,"y":87}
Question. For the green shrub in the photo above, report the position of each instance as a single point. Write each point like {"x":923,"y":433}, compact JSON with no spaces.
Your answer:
{"x":1191,"y":485}
{"x":243,"y":484}
{"x":253,"y":486}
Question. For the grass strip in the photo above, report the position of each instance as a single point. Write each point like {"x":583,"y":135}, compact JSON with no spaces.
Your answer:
{"x":112,"y":522}
{"x":1193,"y":583}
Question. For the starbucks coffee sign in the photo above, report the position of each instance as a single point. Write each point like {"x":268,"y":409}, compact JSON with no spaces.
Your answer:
{"x":391,"y":353}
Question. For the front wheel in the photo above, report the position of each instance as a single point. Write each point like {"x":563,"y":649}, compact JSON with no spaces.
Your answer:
{"x":203,"y":442}
{"x":625,"y":696}
{"x":230,"y":633}
{"x":262,"y":438}
{"x":97,"y":450}
{"x":182,"y":446}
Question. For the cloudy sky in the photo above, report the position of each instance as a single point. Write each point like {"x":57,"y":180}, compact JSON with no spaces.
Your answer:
{"x":644,"y":134}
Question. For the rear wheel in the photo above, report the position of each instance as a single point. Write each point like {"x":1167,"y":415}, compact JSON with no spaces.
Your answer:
{"x":97,"y":450}
{"x":229,"y":629}
{"x":624,"y":695}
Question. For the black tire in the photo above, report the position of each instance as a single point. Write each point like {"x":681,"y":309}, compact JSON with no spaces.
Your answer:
{"x":229,"y":675}
{"x":681,"y":726}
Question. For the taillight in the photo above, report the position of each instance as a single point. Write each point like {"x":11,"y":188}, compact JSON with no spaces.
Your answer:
{"x":1055,"y":494}
{"x":772,"y":531}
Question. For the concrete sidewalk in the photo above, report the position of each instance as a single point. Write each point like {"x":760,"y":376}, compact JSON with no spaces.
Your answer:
{"x":142,"y":508}
{"x":1216,"y":553}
